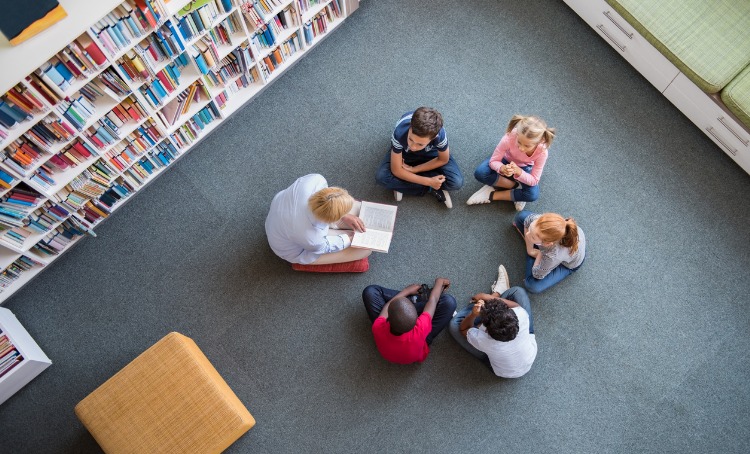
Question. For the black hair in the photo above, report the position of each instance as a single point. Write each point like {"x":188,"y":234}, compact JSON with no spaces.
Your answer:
{"x":500,"y":320}
{"x":402,"y":316}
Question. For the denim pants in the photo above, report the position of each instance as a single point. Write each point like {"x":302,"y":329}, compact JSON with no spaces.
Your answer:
{"x":515,"y":294}
{"x":375,"y":297}
{"x":532,"y":284}
{"x":454,"y":180}
{"x":525,"y":193}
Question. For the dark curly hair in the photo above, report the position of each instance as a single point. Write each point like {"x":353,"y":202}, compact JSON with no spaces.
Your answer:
{"x":500,"y":320}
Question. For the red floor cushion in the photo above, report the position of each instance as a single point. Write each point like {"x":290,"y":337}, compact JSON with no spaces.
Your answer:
{"x":357,"y":266}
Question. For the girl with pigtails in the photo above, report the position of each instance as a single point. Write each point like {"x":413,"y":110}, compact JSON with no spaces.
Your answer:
{"x":513,"y":171}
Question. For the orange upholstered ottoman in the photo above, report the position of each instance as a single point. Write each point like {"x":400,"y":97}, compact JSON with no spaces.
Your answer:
{"x":169,"y":399}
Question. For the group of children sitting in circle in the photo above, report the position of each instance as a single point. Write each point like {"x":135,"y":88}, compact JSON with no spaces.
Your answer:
{"x":310,"y":223}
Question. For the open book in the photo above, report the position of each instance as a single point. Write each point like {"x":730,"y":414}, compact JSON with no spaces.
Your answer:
{"x":379,"y":220}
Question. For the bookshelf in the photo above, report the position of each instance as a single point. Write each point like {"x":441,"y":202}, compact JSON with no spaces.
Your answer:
{"x":96,"y":107}
{"x":21,"y":359}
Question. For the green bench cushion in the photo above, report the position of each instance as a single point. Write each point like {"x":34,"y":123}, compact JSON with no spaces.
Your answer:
{"x":708,"y":40}
{"x":736,"y":96}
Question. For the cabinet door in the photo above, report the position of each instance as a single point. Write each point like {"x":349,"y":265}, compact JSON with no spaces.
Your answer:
{"x":717,"y":124}
{"x":625,"y":39}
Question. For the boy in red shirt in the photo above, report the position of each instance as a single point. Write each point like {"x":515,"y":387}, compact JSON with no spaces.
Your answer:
{"x":405,"y":323}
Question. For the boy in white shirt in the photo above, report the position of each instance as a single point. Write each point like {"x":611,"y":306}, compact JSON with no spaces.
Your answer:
{"x":497,"y":328}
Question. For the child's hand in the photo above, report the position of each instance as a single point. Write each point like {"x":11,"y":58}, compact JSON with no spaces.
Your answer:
{"x":506,"y":170}
{"x":477,"y":308}
{"x":413,"y":289}
{"x":442,"y":281}
{"x":437,"y":181}
{"x":515,"y":170}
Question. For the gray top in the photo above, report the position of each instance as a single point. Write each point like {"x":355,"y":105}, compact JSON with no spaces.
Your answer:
{"x":556,"y":254}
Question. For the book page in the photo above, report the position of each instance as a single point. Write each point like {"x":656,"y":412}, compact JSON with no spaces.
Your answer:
{"x":378,"y":216}
{"x":377,"y":240}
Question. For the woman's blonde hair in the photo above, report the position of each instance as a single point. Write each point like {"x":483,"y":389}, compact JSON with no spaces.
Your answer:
{"x":330,"y":204}
{"x":554,"y":228}
{"x":532,"y":127}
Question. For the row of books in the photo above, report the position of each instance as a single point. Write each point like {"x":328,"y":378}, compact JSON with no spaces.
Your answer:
{"x":126,"y":23}
{"x":49,"y":132}
{"x":111,"y":80}
{"x":231,"y":67}
{"x":24,"y":103}
{"x":306,"y":5}
{"x":17,"y":205}
{"x":165,"y":82}
{"x":70,"y":65}
{"x":21,"y":155}
{"x":57,"y":240}
{"x":77,"y":110}
{"x":126,"y":152}
{"x":267,"y":34}
{"x":261,"y":8}
{"x":205,"y":54}
{"x":163,"y":44}
{"x":10,"y":357}
{"x":318,"y":25}
{"x":107,"y":131}
{"x":118,"y":191}
{"x":180,"y":105}
{"x":11,"y":114}
{"x":191,"y":129}
{"x":194,"y":21}
{"x":71,"y":156}
{"x":281,"y":54}
{"x":235,"y":86}
{"x":222,"y":33}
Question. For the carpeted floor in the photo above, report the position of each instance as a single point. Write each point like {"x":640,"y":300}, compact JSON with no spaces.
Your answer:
{"x":645,"y":349}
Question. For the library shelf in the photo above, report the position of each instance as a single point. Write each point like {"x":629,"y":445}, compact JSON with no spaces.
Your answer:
{"x":33,"y":361}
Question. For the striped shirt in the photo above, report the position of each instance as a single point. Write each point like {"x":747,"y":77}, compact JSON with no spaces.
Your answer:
{"x":400,"y":144}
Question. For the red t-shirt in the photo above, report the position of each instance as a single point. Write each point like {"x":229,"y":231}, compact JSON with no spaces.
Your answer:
{"x":407,"y":348}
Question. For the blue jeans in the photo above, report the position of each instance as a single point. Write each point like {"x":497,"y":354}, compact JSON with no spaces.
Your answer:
{"x":375,"y":297}
{"x":532,"y":284}
{"x":454,"y":180}
{"x":525,"y":193}
{"x":515,"y":294}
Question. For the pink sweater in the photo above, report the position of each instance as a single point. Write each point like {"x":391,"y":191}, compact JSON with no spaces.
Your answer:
{"x":508,"y":149}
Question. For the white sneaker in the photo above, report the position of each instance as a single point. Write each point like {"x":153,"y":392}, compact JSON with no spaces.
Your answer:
{"x":503,"y":281}
{"x":398,"y":196}
{"x":448,"y":202}
{"x":481,"y":196}
{"x":519,"y":205}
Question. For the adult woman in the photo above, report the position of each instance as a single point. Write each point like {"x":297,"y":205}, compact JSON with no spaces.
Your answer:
{"x":555,"y":248}
{"x":310,"y":223}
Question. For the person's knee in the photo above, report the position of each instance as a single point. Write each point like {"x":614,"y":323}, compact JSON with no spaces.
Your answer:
{"x":534,"y":285}
{"x":531,"y":194}
{"x":370,"y":291}
{"x":453,"y":182}
{"x":448,"y":303}
{"x":383,"y":176}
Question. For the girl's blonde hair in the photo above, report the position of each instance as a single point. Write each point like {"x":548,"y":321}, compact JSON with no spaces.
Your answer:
{"x":554,"y":228}
{"x":330,"y":204}
{"x":532,"y":127}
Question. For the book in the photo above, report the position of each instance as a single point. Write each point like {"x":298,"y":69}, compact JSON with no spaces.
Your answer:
{"x":379,"y":220}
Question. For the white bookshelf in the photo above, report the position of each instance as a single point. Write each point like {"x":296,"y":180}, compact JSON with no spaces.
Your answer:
{"x":20,"y":61}
{"x":34,"y":359}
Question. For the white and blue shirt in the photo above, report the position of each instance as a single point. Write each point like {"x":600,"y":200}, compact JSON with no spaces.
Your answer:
{"x":399,"y":143}
{"x":293,"y":232}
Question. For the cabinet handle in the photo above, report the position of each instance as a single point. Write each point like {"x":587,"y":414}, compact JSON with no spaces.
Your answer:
{"x":711,"y":131}
{"x":622,"y":29}
{"x":734,"y":133}
{"x":614,"y":41}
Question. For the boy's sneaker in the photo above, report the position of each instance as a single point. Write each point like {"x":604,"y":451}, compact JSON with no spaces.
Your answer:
{"x":398,"y":196}
{"x":503,"y":281}
{"x":519,"y":205}
{"x":443,"y":196}
{"x":481,"y":196}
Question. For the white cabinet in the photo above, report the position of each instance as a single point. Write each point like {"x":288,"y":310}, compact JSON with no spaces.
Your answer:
{"x":34,"y":360}
{"x":625,"y":39}
{"x":708,"y":115}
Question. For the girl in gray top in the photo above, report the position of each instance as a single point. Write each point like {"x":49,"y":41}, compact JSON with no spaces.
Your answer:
{"x":555,"y":248}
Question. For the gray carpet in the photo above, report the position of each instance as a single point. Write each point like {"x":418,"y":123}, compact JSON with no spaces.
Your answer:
{"x":645,"y":349}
